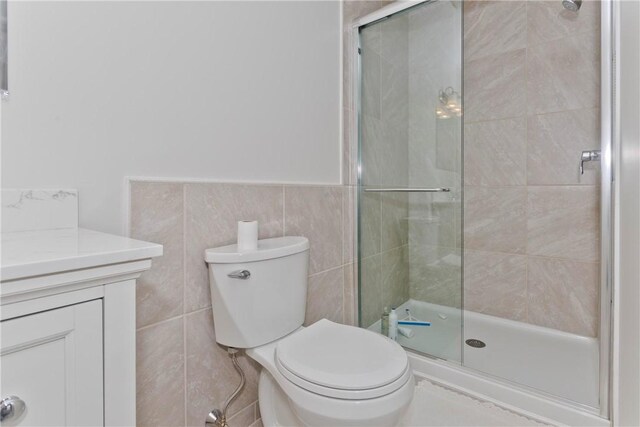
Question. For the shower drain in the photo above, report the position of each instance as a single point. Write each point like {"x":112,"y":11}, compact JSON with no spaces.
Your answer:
{"x":475,"y":343}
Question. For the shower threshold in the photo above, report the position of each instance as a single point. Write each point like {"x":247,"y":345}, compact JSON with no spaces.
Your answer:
{"x":549,"y":373}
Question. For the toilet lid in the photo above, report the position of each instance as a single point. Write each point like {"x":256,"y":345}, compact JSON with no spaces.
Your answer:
{"x":342,"y":357}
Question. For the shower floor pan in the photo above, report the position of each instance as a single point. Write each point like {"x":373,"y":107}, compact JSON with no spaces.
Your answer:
{"x":545,"y":360}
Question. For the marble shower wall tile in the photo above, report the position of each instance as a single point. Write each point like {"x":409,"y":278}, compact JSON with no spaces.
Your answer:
{"x":495,"y":87}
{"x":351,"y":10}
{"x":394,"y":73}
{"x":563,"y":74}
{"x":564,"y":222}
{"x":350,"y":295}
{"x":495,"y":219}
{"x":348,"y":224}
{"x":432,"y":222}
{"x":212,"y":212}
{"x":373,"y":138}
{"x":555,"y":143}
{"x":325,"y":296}
{"x":495,"y":153}
{"x":371,"y":96}
{"x":393,"y":155}
{"x":160,"y":373}
{"x":564,"y":295}
{"x":349,"y":148}
{"x":316,"y":212}
{"x":211,"y":377}
{"x":538,"y":68}
{"x":371,"y":288}
{"x":370,"y":223}
{"x":157,"y":216}
{"x":548,"y":21}
{"x":496,"y":284}
{"x":394,"y":40}
{"x":435,"y":274}
{"x":394,"y":227}
{"x":395,"y":276}
{"x":492,"y":27}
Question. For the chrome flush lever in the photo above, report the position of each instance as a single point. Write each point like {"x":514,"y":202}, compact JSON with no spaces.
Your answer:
{"x":588,"y":156}
{"x":240,"y":274}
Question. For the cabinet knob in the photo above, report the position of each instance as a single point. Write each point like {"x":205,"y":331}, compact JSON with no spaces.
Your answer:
{"x":11,"y":407}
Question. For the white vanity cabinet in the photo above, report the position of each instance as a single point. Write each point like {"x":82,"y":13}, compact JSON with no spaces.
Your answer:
{"x":67,"y":330}
{"x":52,"y":361}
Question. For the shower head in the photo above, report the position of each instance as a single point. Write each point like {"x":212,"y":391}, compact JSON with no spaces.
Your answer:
{"x":572,"y":5}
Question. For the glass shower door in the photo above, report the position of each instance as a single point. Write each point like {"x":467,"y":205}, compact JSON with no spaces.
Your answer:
{"x":409,"y":238}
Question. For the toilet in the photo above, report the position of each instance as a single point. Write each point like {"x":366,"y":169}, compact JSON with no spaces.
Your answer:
{"x":326,"y":374}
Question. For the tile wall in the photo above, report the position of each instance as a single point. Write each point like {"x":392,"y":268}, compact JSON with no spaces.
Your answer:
{"x":178,"y":359}
{"x":435,"y":56}
{"x":531,"y":93}
{"x":531,"y":221}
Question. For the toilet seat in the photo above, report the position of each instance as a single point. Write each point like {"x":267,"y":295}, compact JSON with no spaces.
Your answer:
{"x":342,"y":361}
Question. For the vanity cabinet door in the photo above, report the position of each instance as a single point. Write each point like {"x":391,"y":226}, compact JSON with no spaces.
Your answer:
{"x":53,"y":362}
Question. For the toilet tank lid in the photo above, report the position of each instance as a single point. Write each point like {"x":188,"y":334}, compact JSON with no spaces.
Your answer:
{"x":267,"y":249}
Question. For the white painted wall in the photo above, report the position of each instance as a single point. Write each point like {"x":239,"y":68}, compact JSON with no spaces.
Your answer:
{"x":235,"y":91}
{"x":626,"y":390}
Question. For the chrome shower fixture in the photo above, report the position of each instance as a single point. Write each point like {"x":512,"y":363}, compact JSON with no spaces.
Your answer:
{"x":572,"y":5}
{"x":450,"y":104}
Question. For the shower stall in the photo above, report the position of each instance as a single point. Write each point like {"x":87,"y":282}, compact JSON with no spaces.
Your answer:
{"x":483,"y":190}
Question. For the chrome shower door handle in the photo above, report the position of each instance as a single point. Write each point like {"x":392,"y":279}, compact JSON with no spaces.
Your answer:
{"x":588,"y":156}
{"x":11,"y":407}
{"x":240,"y":274}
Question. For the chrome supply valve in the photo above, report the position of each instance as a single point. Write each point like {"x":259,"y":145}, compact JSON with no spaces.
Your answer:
{"x":588,"y":156}
{"x":217,"y":417}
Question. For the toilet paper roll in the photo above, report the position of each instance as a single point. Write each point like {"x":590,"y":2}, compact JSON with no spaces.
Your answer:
{"x":247,"y":236}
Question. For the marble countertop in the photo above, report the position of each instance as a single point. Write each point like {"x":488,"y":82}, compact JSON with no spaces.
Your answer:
{"x":35,"y":253}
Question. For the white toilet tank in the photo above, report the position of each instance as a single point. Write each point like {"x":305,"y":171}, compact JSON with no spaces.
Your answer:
{"x":258,"y":296}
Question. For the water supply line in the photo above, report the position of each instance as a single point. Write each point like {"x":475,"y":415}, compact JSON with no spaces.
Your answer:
{"x":216,"y":417}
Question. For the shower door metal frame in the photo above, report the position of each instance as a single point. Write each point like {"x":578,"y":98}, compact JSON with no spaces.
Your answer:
{"x":607,"y":130}
{"x":607,"y":120}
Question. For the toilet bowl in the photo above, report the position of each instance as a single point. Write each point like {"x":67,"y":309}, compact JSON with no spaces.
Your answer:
{"x":326,"y":374}
{"x":333,"y":375}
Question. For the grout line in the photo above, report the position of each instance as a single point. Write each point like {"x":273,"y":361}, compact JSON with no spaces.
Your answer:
{"x":266,"y":183}
{"x":527,"y":186}
{"x":172,"y":318}
{"x":284,"y":216}
{"x":184,"y":367}
{"x":184,"y":298}
{"x":526,"y":115}
{"x":526,"y":162}
{"x":342,"y":224}
{"x":142,"y":328}
{"x":326,"y":271}
{"x":526,"y":291}
{"x":544,"y":257}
